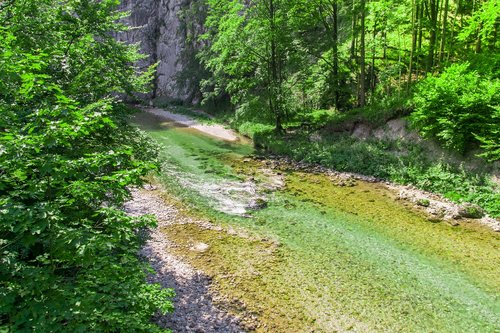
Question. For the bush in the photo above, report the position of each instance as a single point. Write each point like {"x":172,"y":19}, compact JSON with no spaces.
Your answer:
{"x":257,"y":132}
{"x":68,"y":258}
{"x":460,"y":109}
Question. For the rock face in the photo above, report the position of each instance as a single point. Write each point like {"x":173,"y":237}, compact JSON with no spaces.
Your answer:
{"x":156,"y":29}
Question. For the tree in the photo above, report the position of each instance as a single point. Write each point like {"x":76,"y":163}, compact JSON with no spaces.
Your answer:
{"x":317,"y":27}
{"x":362,"y":57}
{"x":69,"y":254}
{"x":460,"y":108}
{"x":249,"y":48}
{"x":432,"y":10}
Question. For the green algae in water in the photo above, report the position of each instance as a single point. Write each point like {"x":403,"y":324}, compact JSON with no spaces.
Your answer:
{"x":349,"y":259}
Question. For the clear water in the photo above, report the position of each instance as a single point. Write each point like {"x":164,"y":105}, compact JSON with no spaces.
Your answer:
{"x":321,"y":257}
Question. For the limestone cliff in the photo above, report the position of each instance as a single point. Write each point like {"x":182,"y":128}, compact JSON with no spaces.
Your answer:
{"x":156,"y":28}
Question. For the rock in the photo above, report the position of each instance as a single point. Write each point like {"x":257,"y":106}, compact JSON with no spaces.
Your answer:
{"x":471,"y":211}
{"x":315,"y":137}
{"x":194,"y":309}
{"x":259,"y":203}
{"x":156,"y":29}
{"x":434,"y":219}
{"x":423,"y":202}
{"x":200,"y":247}
{"x":361,"y":131}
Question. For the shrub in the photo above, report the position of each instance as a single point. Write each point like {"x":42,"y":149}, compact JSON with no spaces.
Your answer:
{"x":256,"y":131}
{"x":459,"y":108}
{"x":316,"y":119}
{"x":68,"y":259}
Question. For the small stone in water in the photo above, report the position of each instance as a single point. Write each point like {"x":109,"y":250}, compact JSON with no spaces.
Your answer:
{"x":200,"y":247}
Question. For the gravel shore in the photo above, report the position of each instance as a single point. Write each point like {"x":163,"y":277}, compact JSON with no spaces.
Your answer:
{"x":195,"y":310}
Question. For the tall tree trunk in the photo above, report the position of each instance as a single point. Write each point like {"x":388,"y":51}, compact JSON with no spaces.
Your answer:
{"x":335,"y":51}
{"x":478,"y":39}
{"x":274,"y":99}
{"x":452,"y":34}
{"x":433,"y":8}
{"x":362,"y":74}
{"x":414,"y":15}
{"x":354,"y":24}
{"x":443,"y":32}
{"x":420,"y":33}
{"x":374,"y":50}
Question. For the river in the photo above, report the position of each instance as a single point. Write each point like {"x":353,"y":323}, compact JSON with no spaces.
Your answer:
{"x":303,"y":251}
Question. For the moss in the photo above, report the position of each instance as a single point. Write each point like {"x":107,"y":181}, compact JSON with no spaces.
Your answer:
{"x":423,"y":202}
{"x":244,"y":270}
{"x":471,"y":248}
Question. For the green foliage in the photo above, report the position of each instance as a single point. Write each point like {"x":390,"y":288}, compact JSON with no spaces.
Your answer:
{"x":248,"y":52}
{"x":316,"y":119}
{"x":255,"y":131}
{"x":483,"y":24}
{"x":423,"y":202}
{"x":68,"y":253}
{"x":458,"y":107}
{"x":491,"y":146}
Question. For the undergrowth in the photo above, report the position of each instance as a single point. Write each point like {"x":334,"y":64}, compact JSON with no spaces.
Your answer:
{"x":397,"y":161}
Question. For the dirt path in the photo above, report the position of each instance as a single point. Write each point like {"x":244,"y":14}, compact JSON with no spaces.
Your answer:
{"x":214,"y":130}
{"x":195,"y":310}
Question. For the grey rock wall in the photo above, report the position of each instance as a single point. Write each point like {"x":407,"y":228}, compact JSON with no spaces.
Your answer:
{"x":156,"y":28}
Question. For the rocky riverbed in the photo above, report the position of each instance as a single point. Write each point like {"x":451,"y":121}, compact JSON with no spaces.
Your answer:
{"x":195,"y":307}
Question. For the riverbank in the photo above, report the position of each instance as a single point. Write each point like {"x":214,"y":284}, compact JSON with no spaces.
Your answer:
{"x":215,"y":130}
{"x":196,"y":308}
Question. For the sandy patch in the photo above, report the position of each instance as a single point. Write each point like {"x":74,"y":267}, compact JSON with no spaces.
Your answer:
{"x":214,"y":130}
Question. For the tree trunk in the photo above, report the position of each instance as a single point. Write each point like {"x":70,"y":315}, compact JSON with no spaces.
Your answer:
{"x":374,"y":50}
{"x":443,"y":32}
{"x":335,"y":37}
{"x":414,"y":16}
{"x":452,"y":35}
{"x":420,"y":33}
{"x":274,"y":98}
{"x":433,"y":9}
{"x":353,"y":28}
{"x":362,"y":74}
{"x":478,"y":40}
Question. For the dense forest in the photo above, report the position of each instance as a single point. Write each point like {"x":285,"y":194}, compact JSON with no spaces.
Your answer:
{"x":280,"y":71}
{"x":296,"y":58}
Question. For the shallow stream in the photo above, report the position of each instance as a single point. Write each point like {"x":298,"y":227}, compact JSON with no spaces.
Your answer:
{"x":304,"y":252}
